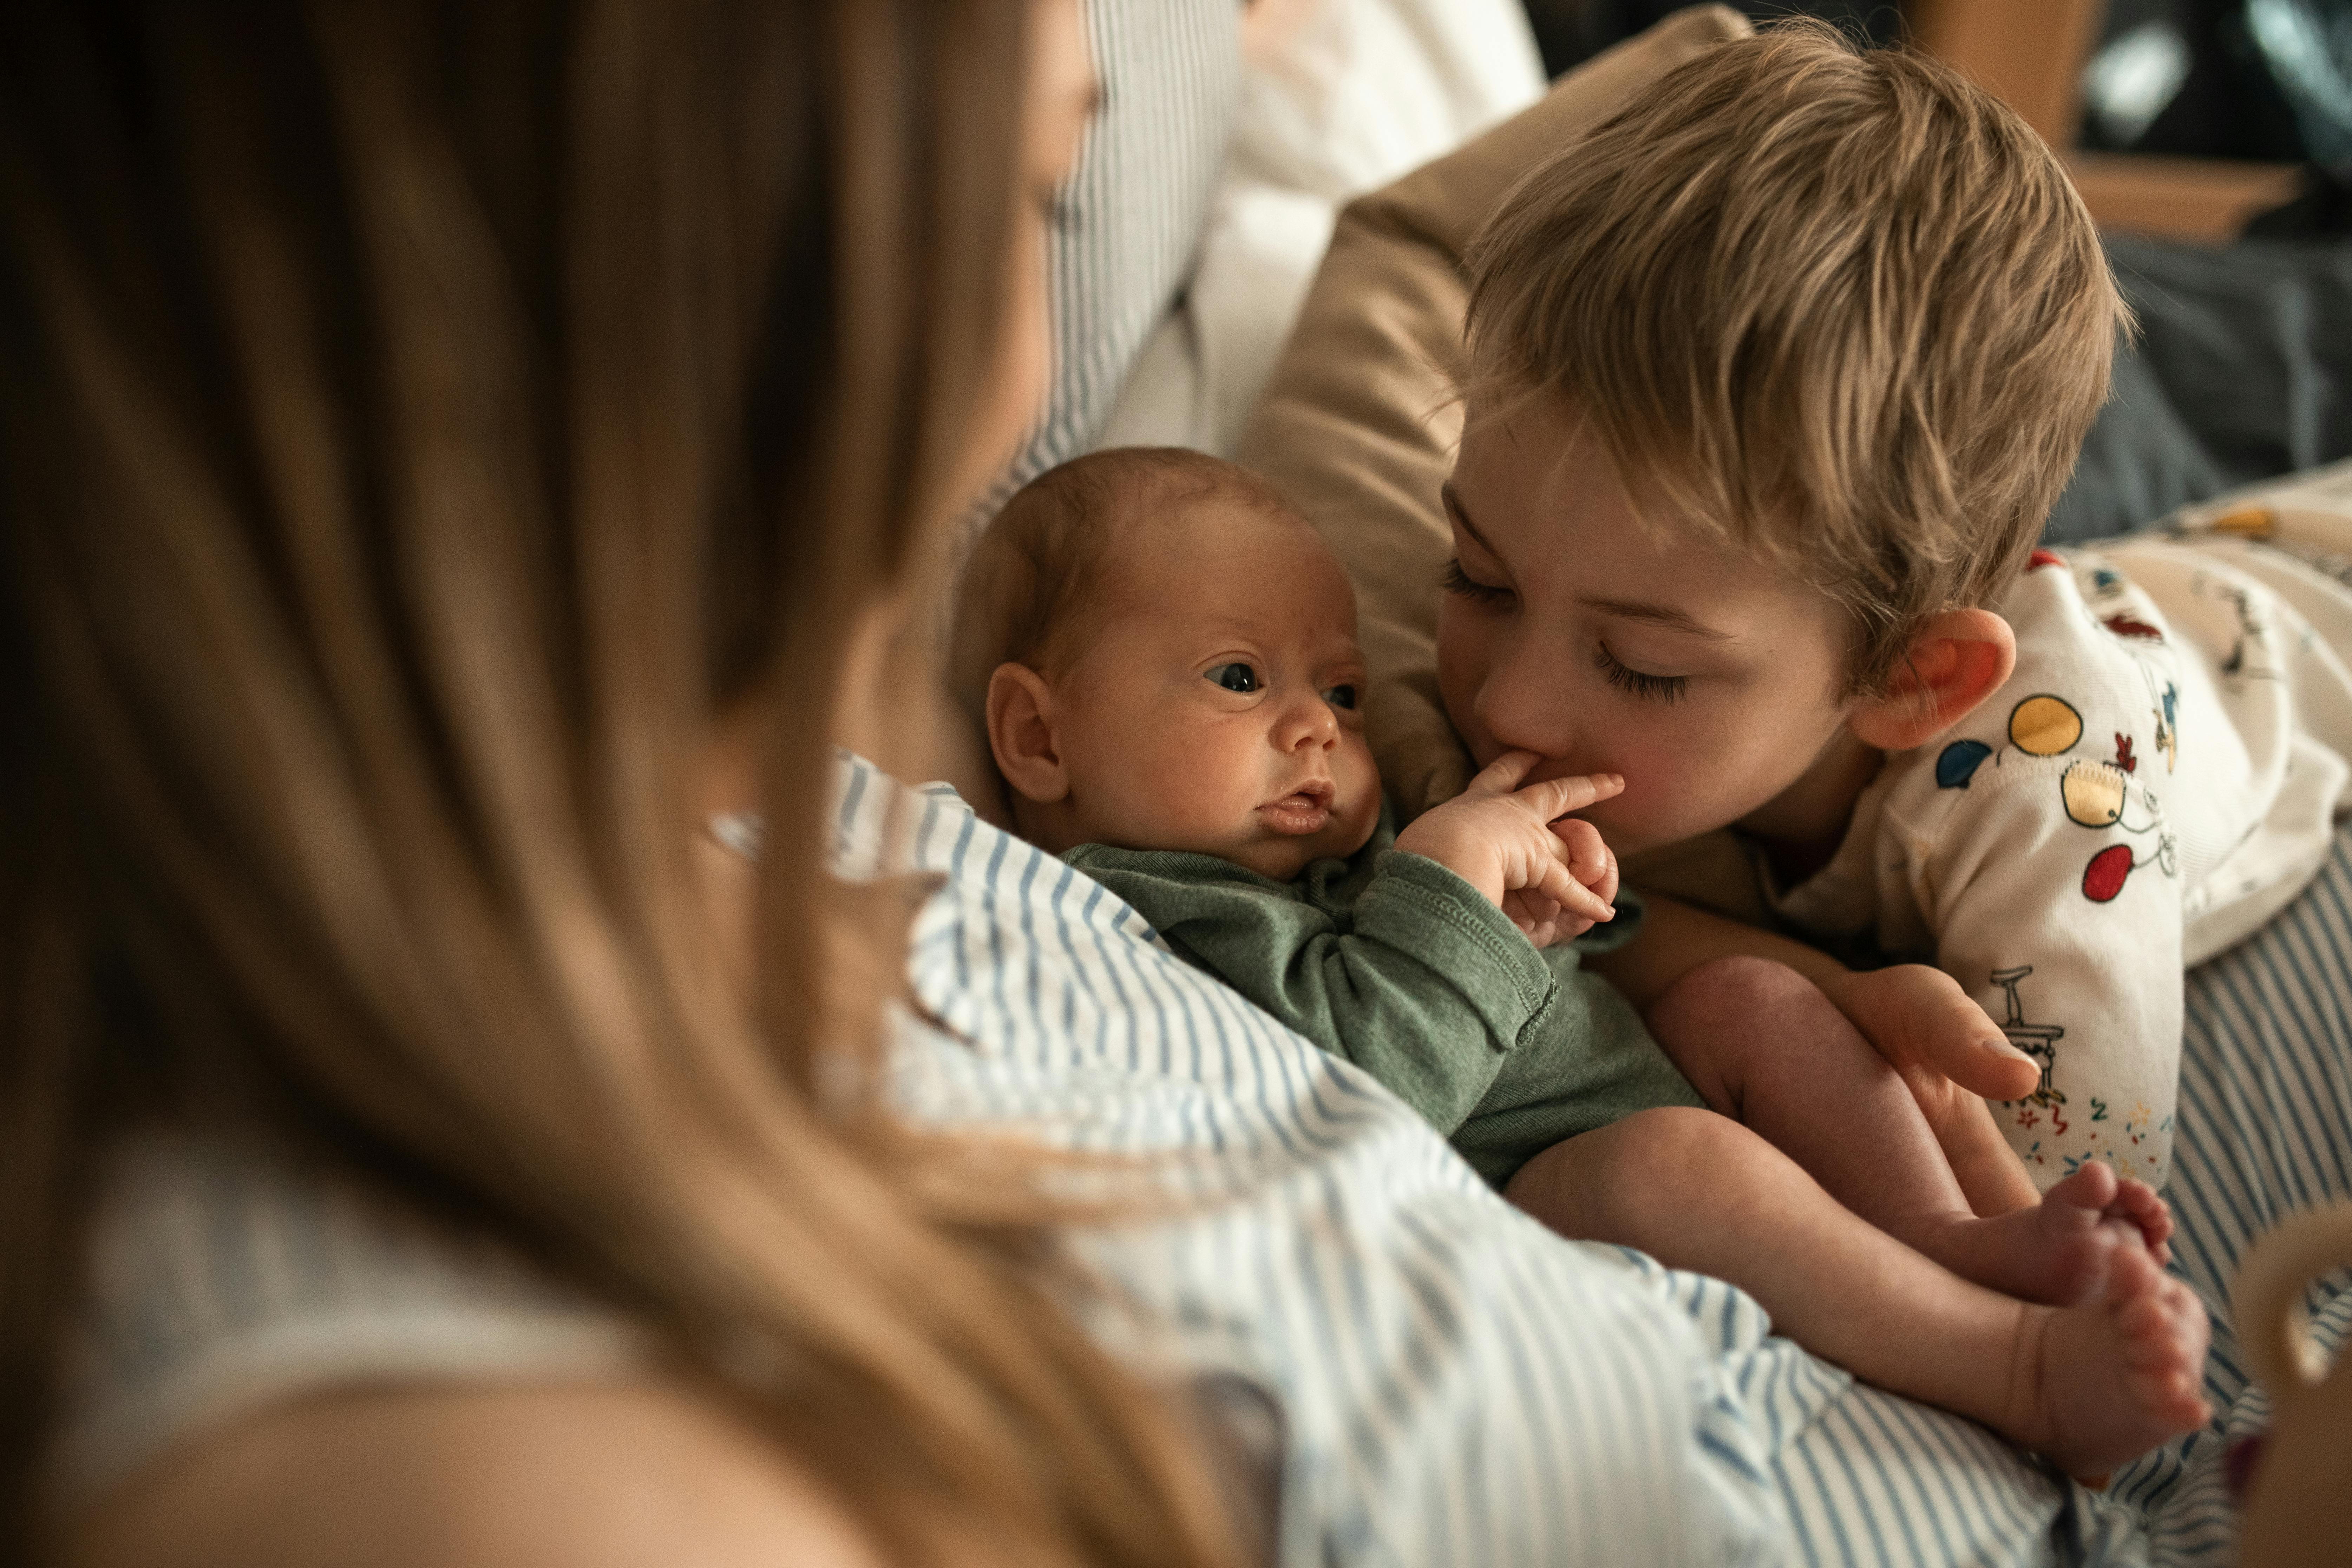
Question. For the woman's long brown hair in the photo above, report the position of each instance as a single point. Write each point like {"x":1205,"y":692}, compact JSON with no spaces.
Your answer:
{"x":419,"y":423}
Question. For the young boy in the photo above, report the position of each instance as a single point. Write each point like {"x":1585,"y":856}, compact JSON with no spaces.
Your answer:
{"x":1770,"y":383}
{"x":1165,"y":659}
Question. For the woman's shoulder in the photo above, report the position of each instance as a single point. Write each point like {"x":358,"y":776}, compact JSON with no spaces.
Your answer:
{"x":609,"y":1475}
{"x":271,"y":1363}
{"x":225,"y":1279}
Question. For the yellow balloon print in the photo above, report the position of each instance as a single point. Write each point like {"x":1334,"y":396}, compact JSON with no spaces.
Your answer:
{"x":2094,"y":793}
{"x":2247,"y":522}
{"x":2044,"y":726}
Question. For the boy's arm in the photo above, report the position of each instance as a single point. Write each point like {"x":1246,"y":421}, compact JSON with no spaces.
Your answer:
{"x":1947,"y":1049}
{"x":1427,"y":993}
{"x":2072,"y":937}
{"x":1917,"y":1016}
{"x":1358,"y":422}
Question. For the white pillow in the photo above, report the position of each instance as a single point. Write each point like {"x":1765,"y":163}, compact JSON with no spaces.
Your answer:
{"x":1131,"y":216}
{"x":1363,"y":91}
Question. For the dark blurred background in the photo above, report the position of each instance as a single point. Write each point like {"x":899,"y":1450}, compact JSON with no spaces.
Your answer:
{"x":2268,"y":80}
{"x":1569,"y":31}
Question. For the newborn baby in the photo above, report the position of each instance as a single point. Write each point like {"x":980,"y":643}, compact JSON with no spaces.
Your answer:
{"x":1163,"y":656}
{"x":1166,"y":657}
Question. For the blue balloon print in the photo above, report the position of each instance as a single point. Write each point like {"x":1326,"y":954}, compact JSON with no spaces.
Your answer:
{"x":1957,"y":764}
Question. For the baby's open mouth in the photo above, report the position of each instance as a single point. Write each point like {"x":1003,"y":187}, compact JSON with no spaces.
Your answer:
{"x":1304,"y":810}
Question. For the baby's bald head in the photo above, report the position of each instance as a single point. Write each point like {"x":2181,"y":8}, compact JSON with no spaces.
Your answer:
{"x":1049,"y":567}
{"x":1162,"y":655}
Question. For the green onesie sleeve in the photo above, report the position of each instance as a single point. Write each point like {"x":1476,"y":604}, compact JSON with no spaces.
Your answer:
{"x":1417,"y":979}
{"x":1398,"y":964}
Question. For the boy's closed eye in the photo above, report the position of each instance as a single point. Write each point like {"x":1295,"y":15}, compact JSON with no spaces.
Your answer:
{"x":1461,"y":584}
{"x":1625,"y":677}
{"x":1638,"y":682}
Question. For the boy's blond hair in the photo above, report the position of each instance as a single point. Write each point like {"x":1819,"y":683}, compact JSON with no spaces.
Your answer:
{"x":1842,"y":307}
{"x":1035,"y":578}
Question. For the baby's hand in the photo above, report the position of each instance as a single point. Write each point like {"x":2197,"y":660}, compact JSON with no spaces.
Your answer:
{"x":1555,"y":879}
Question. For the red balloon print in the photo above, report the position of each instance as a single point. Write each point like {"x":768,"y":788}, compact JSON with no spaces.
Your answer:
{"x":2103,"y":879}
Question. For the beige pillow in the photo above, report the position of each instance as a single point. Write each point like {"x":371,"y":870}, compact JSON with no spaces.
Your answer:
{"x":1358,"y":425}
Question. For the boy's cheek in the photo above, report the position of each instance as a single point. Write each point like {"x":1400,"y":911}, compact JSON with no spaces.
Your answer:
{"x":1462,"y":669}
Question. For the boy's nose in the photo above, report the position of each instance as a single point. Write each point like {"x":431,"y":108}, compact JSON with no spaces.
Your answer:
{"x":1523,"y":705}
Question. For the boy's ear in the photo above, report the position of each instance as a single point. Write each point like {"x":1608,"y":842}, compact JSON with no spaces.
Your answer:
{"x":1955,"y":661}
{"x":1021,"y":734}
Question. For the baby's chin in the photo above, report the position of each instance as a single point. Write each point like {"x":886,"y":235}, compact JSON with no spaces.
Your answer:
{"x":1282,"y":856}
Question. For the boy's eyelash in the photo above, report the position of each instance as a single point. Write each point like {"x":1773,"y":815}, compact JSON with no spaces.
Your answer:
{"x":1455,"y":581}
{"x":1651,"y":687}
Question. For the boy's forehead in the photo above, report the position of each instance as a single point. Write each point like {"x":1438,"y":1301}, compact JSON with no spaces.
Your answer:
{"x":1533,"y":487}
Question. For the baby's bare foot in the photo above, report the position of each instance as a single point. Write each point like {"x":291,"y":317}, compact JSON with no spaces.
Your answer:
{"x":2061,"y":1251}
{"x":2102,"y":1383}
{"x":2136,"y":1204}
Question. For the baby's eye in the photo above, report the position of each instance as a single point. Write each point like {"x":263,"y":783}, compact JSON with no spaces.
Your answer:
{"x":1235,"y":677}
{"x":1342,"y":697}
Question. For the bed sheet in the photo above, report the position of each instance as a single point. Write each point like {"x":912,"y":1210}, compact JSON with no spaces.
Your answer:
{"x":1460,"y":1386}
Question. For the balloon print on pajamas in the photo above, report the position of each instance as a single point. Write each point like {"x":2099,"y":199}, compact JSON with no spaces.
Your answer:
{"x":2097,"y":794}
{"x":2103,"y":879}
{"x":2040,"y":726}
{"x":2044,"y":726}
{"x":1957,"y":764}
{"x":2094,"y":792}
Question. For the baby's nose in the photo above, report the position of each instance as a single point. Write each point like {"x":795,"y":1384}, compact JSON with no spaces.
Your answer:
{"x":1310,"y":723}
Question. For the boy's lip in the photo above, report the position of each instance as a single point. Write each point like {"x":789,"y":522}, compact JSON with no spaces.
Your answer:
{"x":1303,"y":811}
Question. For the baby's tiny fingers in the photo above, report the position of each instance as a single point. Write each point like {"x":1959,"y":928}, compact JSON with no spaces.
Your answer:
{"x":1557,"y":797}
{"x":1502,"y":775}
{"x":1606,"y":883}
{"x":1587,"y":853}
{"x":1572,"y":896}
{"x":1527,"y":906}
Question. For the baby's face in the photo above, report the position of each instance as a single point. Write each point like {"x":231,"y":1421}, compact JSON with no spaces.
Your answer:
{"x":1216,"y":707}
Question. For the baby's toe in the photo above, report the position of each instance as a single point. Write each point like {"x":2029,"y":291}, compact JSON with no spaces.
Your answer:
{"x":2089,"y":1193}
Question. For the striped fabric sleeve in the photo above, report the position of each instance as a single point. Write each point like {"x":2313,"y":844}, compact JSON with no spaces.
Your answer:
{"x":1458,"y":1386}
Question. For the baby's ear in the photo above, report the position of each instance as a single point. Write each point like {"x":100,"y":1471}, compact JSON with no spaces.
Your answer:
{"x":1021,"y":734}
{"x":1956,"y":660}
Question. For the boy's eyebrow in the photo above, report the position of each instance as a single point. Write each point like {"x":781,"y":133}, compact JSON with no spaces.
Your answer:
{"x":1664,"y":616}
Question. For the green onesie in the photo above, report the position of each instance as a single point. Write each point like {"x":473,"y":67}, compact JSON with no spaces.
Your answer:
{"x":1396,"y":963}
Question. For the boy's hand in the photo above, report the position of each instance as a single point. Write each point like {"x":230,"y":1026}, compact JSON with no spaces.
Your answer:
{"x":1948,"y":1052}
{"x":1925,"y":1025}
{"x":1555,"y":879}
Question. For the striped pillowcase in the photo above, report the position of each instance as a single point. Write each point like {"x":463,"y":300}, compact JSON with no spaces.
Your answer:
{"x":1130,"y":217}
